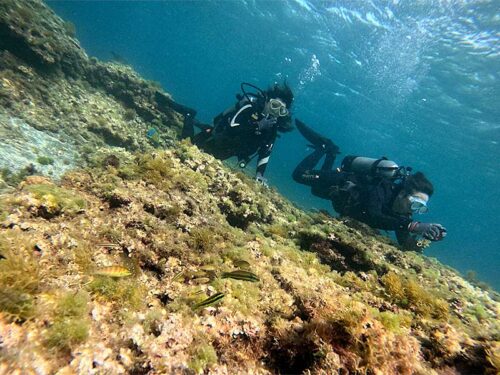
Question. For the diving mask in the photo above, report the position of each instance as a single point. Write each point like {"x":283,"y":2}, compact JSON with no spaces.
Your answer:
{"x":277,"y":108}
{"x":418,"y":205}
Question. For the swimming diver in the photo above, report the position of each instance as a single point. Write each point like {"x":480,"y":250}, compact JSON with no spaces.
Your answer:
{"x":374,"y":191}
{"x":247,"y":129}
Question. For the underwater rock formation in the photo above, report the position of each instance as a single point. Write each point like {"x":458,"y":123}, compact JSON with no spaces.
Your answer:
{"x":47,"y":83}
{"x":122,"y":264}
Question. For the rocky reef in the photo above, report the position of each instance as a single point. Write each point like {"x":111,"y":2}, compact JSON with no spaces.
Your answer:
{"x":120,"y":253}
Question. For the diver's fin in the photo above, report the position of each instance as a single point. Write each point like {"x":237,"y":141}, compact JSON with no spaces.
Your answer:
{"x":309,"y":134}
{"x":164,"y":100}
{"x":317,"y":140}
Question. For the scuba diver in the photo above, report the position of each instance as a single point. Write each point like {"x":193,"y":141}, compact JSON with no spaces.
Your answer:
{"x":374,"y":191}
{"x":247,"y":129}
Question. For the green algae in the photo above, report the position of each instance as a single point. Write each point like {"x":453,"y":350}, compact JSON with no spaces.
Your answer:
{"x":123,"y":292}
{"x":279,"y":230}
{"x":129,"y":114}
{"x":56,"y":200}
{"x":156,"y":169}
{"x":480,"y":312}
{"x":202,"y":355}
{"x":407,"y":293}
{"x":71,"y":324}
{"x":70,"y":28}
{"x":244,"y":298}
{"x":351,"y":280}
{"x":3,"y":209}
{"x":19,"y":278}
{"x":14,"y":178}
{"x":394,"y":322}
{"x":202,"y":239}
{"x":66,"y":333}
{"x":45,"y":160}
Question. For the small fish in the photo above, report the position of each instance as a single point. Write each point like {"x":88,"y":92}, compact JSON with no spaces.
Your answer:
{"x":207,"y":268}
{"x":241,"y":275}
{"x":209,"y":301}
{"x":113,"y":271}
{"x":197,"y":274}
{"x":240,"y":263}
{"x":108,"y":244}
{"x":178,"y":276}
{"x":151,"y":132}
{"x":199,"y":291}
{"x":201,"y":280}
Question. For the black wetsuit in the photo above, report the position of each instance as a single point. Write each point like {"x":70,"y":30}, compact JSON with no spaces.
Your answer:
{"x":363,"y":198}
{"x":236,"y":133}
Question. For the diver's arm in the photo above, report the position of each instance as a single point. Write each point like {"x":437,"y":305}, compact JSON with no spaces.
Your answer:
{"x":377,"y":197}
{"x":264,"y":154}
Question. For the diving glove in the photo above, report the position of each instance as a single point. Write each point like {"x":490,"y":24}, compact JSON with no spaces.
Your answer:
{"x":431,"y":231}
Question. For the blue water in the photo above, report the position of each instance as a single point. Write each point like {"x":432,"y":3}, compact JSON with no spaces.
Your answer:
{"x":416,"y":81}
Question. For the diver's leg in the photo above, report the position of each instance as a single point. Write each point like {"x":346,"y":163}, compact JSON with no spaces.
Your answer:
{"x":329,"y":160}
{"x":203,"y":127}
{"x":317,"y":140}
{"x":200,"y":138}
{"x":304,"y":173}
{"x":188,"y":128}
{"x":327,"y":184}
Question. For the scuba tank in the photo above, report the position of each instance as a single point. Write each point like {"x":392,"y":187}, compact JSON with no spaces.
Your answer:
{"x":371,"y":167}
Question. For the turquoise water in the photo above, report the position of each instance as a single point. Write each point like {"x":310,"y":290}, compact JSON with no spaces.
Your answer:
{"x":416,"y":81}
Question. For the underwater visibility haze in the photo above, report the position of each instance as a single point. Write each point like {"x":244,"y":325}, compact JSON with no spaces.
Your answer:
{"x":415,"y":81}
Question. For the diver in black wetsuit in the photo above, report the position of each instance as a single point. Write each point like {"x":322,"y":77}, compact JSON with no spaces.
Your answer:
{"x":247,"y":129}
{"x":374,"y":191}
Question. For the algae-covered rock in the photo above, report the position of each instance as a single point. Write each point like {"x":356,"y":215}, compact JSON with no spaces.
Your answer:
{"x":297,"y":310}
{"x":31,"y":31}
{"x":57,"y":106}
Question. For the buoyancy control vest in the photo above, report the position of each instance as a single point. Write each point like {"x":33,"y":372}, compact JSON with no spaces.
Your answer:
{"x":362,"y":174}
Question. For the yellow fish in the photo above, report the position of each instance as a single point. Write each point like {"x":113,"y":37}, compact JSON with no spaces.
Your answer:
{"x":113,"y":271}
